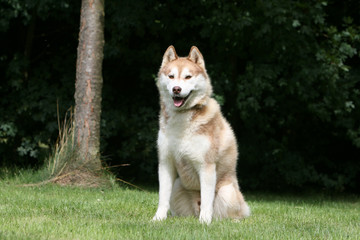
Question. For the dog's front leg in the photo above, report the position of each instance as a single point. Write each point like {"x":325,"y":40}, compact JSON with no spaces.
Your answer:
{"x":207,"y":189}
{"x":166,"y":182}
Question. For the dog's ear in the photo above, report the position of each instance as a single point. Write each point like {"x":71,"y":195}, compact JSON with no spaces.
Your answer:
{"x":170,"y":55}
{"x":196,"y":56}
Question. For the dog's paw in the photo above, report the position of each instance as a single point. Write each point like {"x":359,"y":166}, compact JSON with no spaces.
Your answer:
{"x":160,"y":215}
{"x":158,"y":218}
{"x":205,"y":217}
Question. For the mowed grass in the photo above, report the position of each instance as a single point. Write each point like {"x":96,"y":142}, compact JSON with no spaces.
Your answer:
{"x":54,"y":212}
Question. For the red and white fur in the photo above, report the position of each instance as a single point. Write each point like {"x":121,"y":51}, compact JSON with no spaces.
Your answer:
{"x":196,"y":145}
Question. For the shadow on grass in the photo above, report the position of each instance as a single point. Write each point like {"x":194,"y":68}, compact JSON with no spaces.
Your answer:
{"x":306,"y":197}
{"x":313,"y":198}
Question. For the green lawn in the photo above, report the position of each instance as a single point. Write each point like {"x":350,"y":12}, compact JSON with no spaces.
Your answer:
{"x":54,"y":212}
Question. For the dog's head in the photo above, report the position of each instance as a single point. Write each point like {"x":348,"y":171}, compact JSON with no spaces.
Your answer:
{"x":182,"y":81}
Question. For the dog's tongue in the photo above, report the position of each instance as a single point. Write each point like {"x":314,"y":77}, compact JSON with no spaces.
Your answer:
{"x":178,"y":101}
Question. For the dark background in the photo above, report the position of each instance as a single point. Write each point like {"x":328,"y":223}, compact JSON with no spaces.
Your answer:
{"x":285,"y":72}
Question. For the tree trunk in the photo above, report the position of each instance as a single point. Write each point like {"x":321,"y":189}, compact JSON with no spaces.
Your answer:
{"x":88,"y":85}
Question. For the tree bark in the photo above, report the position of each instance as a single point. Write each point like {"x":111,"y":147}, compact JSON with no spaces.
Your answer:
{"x":88,"y":85}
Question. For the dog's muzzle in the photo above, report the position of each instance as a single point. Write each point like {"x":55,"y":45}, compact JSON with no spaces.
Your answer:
{"x":178,"y":100}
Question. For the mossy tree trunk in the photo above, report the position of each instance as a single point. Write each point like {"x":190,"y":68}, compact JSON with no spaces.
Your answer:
{"x":88,"y":85}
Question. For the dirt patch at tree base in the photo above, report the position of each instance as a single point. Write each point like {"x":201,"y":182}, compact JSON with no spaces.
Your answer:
{"x":81,"y":178}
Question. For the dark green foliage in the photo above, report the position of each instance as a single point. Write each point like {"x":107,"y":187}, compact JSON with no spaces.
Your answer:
{"x":37,"y":70}
{"x":286,"y":72}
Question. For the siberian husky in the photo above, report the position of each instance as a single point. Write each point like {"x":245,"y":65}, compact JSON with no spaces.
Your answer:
{"x":196,"y":145}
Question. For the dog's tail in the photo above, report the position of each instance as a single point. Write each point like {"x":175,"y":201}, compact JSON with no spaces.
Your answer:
{"x":244,"y":207}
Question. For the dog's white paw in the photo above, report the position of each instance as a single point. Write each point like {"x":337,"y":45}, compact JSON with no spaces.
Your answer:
{"x":158,"y":218}
{"x":161,"y":214}
{"x":205,"y":217}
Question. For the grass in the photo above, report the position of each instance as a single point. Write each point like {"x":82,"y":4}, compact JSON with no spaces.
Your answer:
{"x":63,"y":165}
{"x":54,"y":212}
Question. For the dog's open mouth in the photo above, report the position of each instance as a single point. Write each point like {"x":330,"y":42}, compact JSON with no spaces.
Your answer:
{"x":179,"y":101}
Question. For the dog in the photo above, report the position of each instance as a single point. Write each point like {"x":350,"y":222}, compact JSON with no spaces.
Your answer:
{"x":197,"y":148}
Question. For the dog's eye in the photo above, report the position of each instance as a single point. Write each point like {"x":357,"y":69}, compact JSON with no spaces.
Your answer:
{"x":188,"y":76}
{"x":171,"y":76}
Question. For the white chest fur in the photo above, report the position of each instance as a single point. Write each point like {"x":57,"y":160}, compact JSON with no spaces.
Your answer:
{"x":179,"y":143}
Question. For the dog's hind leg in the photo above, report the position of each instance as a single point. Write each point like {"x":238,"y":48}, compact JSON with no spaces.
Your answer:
{"x":230,"y":203}
{"x":184,"y":202}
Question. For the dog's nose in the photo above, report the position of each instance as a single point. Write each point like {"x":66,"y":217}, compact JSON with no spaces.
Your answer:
{"x":176,"y":89}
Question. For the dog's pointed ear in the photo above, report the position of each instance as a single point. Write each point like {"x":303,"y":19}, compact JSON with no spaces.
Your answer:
{"x":170,"y":55}
{"x":196,"y":56}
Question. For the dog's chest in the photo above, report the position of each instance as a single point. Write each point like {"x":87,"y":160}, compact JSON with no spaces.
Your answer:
{"x":184,"y":141}
{"x":187,"y":148}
